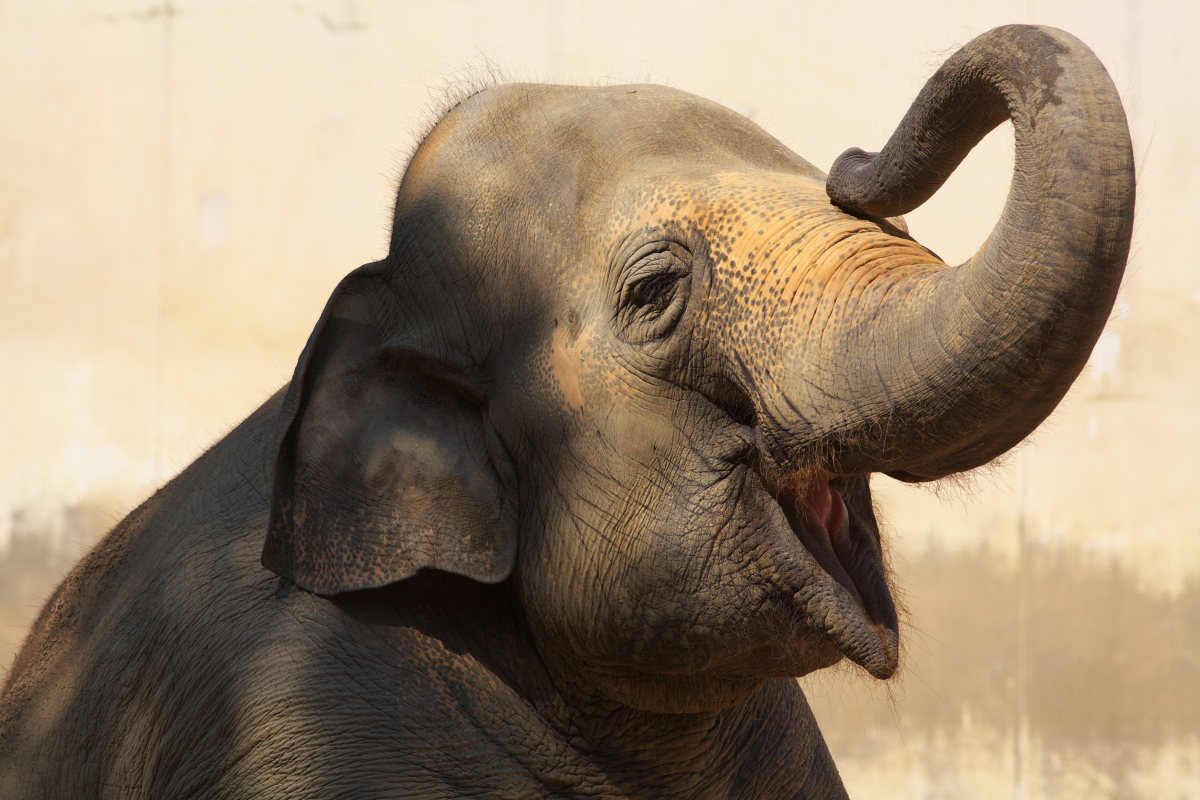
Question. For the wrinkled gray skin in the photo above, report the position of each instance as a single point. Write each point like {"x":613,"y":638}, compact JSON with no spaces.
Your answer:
{"x":570,"y":486}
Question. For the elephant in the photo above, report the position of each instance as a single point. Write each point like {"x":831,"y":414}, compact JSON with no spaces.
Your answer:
{"x":569,"y":488}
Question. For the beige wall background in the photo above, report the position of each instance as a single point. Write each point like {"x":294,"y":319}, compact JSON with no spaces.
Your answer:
{"x":182,"y":183}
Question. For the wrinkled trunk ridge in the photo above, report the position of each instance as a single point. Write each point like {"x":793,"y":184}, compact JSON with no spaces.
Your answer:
{"x":970,"y":360}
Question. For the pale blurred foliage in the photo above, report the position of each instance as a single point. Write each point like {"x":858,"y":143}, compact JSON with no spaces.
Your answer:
{"x":1098,"y":709}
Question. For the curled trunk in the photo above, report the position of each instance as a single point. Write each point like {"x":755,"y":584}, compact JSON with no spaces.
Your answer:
{"x":958,"y":365}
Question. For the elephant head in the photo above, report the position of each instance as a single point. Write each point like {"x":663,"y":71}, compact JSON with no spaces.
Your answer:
{"x":630,"y":355}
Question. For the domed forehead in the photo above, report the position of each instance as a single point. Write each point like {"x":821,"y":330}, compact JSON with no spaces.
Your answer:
{"x":595,"y":136}
{"x":697,"y":196}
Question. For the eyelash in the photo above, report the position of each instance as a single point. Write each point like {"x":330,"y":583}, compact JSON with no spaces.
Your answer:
{"x":654,"y":292}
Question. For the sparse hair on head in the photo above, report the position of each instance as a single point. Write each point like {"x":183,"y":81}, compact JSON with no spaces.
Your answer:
{"x":454,"y":89}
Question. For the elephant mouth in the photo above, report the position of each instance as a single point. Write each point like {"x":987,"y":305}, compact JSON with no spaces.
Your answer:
{"x":831,"y":517}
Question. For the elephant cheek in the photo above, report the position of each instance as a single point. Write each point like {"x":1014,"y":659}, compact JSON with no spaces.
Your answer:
{"x":565,"y":364}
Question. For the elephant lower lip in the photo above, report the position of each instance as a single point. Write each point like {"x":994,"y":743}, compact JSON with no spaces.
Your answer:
{"x":862,"y":619}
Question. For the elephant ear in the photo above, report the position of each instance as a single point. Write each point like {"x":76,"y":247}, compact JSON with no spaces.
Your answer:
{"x":385,"y":463}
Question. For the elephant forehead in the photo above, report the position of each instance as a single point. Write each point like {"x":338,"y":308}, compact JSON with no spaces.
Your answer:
{"x":563,"y":148}
{"x":711,"y":200}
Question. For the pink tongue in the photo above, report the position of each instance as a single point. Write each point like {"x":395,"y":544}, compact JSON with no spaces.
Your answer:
{"x":827,"y":508}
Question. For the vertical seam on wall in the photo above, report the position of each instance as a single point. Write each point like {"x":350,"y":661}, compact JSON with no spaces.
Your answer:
{"x":158,"y":392}
{"x":1021,"y":729}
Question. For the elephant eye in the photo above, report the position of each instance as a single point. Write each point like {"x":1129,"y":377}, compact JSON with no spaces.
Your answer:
{"x":654,"y":293}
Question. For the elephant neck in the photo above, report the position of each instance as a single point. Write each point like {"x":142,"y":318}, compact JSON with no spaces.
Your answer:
{"x":765,"y":746}
{"x":583,"y":741}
